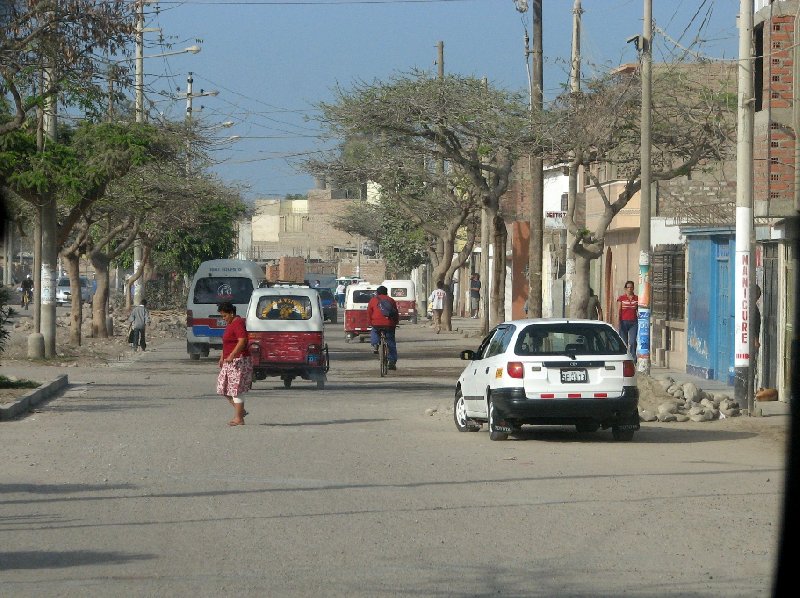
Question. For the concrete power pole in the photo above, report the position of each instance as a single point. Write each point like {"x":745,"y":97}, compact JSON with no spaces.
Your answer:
{"x":536,"y":220}
{"x":744,"y":208}
{"x":49,"y":248}
{"x":575,"y":195}
{"x":139,"y":100}
{"x":643,"y":342}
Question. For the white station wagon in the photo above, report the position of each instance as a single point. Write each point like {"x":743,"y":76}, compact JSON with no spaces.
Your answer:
{"x":552,"y":372}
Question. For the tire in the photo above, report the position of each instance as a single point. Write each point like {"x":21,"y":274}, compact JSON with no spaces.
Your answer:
{"x":334,"y":319}
{"x":621,"y":435}
{"x":463,"y":423}
{"x":360,"y":339}
{"x":383,"y":358}
{"x":287,"y":381}
{"x":321,"y":383}
{"x":494,"y":434}
{"x":587,"y":428}
{"x":415,"y":319}
{"x":194,"y":356}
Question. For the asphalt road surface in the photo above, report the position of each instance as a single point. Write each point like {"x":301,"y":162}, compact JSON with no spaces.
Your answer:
{"x":132,"y":484}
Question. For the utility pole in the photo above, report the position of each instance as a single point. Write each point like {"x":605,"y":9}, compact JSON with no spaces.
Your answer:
{"x":189,"y":96}
{"x":643,"y":312}
{"x":49,"y":247}
{"x":139,"y":101}
{"x":575,"y":195}
{"x":744,"y":209}
{"x":536,"y":163}
{"x":486,"y":226}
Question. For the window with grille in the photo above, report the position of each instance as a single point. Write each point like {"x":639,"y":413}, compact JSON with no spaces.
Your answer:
{"x":669,"y":292}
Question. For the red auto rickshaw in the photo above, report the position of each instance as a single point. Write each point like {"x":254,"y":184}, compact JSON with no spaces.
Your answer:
{"x":404,"y":294}
{"x":356,"y":323}
{"x":286,"y":336}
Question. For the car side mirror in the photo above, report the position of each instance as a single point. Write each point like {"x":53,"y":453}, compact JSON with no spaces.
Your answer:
{"x":468,"y":355}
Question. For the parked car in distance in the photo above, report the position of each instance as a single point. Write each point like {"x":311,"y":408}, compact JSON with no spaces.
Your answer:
{"x":329,"y":305}
{"x":548,"y":372}
{"x":64,"y":291}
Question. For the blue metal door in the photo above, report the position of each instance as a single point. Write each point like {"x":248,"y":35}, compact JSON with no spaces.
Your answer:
{"x":723,"y":366}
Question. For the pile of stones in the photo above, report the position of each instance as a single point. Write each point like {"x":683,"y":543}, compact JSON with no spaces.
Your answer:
{"x":687,"y":402}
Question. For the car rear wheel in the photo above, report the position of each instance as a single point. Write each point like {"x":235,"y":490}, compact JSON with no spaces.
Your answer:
{"x":494,"y":434}
{"x":463,"y":423}
{"x":321,"y":383}
{"x":287,"y":381}
{"x":334,"y":319}
{"x":194,"y":356}
{"x":621,"y":435}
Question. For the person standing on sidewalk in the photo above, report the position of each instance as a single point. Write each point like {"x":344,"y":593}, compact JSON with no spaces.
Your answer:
{"x":340,"y":294}
{"x":593,"y":309}
{"x":139,"y":319}
{"x":436,"y":300}
{"x":475,"y":294}
{"x":628,"y":318}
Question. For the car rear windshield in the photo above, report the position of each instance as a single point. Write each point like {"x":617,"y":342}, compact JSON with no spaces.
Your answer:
{"x":363,"y":296}
{"x":399,"y":292}
{"x":284,"y":307}
{"x":219,"y":289}
{"x":560,"y":339}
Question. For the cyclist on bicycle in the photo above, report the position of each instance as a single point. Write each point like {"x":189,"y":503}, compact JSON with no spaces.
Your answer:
{"x":382,"y":315}
{"x":27,"y":290}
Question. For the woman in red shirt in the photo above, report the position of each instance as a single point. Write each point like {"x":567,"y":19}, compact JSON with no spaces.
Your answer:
{"x":628,"y":317}
{"x":236,"y":368}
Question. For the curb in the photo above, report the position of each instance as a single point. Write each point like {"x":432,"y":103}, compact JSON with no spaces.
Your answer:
{"x":34,"y":397}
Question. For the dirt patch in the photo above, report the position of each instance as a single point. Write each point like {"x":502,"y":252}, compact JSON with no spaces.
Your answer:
{"x":92,"y":351}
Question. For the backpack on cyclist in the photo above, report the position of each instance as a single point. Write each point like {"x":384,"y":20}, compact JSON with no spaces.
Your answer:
{"x":387,"y":308}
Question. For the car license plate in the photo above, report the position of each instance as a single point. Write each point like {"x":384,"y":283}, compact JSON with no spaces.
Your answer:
{"x":578,"y":375}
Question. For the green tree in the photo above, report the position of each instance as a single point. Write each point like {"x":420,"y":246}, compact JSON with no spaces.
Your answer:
{"x":693,"y":128}
{"x":434,"y":141}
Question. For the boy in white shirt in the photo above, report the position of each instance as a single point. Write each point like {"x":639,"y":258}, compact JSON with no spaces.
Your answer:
{"x":436,"y":301}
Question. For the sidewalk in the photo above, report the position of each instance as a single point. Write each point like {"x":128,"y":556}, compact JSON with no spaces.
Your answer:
{"x":471,"y":327}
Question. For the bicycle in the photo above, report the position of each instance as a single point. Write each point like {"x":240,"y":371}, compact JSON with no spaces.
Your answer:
{"x":26,"y":298}
{"x":383,"y":353}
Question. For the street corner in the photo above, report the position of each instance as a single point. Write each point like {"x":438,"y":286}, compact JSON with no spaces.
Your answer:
{"x":27,"y":401}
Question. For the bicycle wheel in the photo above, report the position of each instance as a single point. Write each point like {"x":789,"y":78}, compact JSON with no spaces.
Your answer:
{"x":383,"y":356}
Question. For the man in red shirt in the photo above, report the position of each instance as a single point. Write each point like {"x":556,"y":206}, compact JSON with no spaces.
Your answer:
{"x":387,"y":322}
{"x":628,"y":317}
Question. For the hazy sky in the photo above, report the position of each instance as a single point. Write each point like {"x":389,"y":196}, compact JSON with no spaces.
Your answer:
{"x":273,"y":60}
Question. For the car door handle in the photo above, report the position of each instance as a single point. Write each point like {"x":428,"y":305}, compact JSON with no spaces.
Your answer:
{"x":487,"y":371}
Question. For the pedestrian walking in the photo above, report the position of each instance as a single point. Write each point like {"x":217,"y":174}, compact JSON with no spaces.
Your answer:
{"x":341,"y":289}
{"x":593,"y":309}
{"x":139,"y":319}
{"x":628,"y":317}
{"x":235,"y":366}
{"x":475,"y":294}
{"x":436,"y":301}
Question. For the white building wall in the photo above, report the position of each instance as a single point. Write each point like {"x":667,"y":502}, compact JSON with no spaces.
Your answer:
{"x":661,"y":234}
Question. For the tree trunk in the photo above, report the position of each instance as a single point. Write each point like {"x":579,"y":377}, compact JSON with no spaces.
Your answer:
{"x":580,"y":287}
{"x":100,"y":263}
{"x":72,"y":265}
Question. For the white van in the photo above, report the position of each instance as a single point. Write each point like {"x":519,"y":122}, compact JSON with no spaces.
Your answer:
{"x":214,"y":282}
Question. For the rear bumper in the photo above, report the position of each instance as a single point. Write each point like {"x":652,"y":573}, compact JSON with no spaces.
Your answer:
{"x":512,"y":404}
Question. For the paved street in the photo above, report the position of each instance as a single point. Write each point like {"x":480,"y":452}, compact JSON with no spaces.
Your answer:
{"x":131,"y":483}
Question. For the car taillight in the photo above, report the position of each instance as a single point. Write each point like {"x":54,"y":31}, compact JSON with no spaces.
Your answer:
{"x":628,"y":369}
{"x":189,"y":318}
{"x":515,"y":369}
